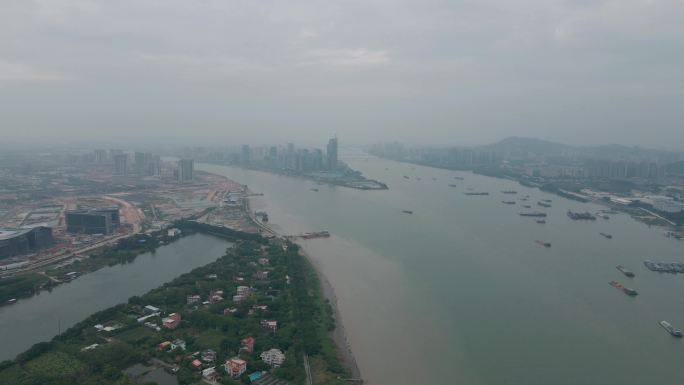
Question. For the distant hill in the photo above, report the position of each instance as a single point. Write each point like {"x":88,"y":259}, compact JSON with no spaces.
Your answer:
{"x":519,"y":145}
{"x":531,"y":146}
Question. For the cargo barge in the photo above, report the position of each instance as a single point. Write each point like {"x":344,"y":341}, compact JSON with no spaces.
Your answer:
{"x":626,"y":290}
{"x":670,"y":329}
{"x":317,"y":234}
{"x":624,"y":271}
{"x":533,"y":214}
{"x":545,"y":244}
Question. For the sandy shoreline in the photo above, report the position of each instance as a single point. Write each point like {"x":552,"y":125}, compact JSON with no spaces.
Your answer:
{"x":339,"y":335}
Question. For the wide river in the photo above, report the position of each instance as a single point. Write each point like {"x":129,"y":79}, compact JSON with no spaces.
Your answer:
{"x":39,"y":318}
{"x":460,"y":293}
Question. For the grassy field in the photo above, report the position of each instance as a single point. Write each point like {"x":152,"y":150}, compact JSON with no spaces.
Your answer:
{"x":55,"y":365}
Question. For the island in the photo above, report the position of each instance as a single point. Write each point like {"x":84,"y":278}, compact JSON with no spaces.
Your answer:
{"x":255,"y":315}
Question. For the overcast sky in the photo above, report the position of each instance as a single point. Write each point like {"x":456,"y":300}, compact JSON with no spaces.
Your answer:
{"x":262,"y":71}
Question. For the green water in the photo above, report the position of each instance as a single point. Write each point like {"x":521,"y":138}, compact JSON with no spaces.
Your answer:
{"x":41,"y":317}
{"x":459,"y":292}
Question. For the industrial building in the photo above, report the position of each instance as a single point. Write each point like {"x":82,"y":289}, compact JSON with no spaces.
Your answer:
{"x":24,"y":241}
{"x":93,"y":221}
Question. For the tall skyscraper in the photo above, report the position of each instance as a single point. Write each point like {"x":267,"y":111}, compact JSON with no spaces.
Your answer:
{"x":139,"y":163}
{"x":121,"y":164}
{"x":100,"y":156}
{"x":155,"y":166}
{"x":186,"y":168}
{"x":246,"y":155}
{"x":332,"y":154}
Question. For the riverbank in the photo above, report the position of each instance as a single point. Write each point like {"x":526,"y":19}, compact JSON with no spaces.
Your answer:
{"x":674,"y":223}
{"x":339,"y":335}
{"x":354,"y":179}
{"x":24,"y":285}
{"x":279,"y":309}
{"x":43,"y":316}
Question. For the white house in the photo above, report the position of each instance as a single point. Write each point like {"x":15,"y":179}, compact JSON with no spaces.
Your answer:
{"x":273,"y":357}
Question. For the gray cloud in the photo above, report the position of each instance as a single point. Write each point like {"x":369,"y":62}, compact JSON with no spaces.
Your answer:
{"x":270,"y":71}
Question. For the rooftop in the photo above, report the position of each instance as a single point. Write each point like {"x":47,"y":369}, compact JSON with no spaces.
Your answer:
{"x":6,"y":234}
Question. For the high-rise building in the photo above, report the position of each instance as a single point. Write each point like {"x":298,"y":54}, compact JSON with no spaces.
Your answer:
{"x":100,"y":156}
{"x":139,"y":163}
{"x":121,"y":164}
{"x":145,"y":164}
{"x":273,"y":156}
{"x":332,"y":154}
{"x":154,"y":166}
{"x":317,"y":160}
{"x":186,"y":168}
{"x":290,"y":160}
{"x":246,"y":155}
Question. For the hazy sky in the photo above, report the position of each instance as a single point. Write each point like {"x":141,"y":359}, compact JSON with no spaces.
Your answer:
{"x":429,"y":71}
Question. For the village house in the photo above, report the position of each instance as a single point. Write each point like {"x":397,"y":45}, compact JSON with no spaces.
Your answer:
{"x":235,"y":367}
{"x":215,"y":296}
{"x":196,"y":364}
{"x":257,"y":308}
{"x":271,"y":325}
{"x":178,"y":343}
{"x":192,"y":299}
{"x":274,"y":357}
{"x":243,"y":290}
{"x":210,"y":374}
{"x":164,"y":346}
{"x":146,"y":317}
{"x":152,"y":325}
{"x":247,"y":344}
{"x":172,"y":321}
{"x":208,"y":355}
{"x":263,"y":261}
{"x":149,"y":309}
{"x":262,"y":275}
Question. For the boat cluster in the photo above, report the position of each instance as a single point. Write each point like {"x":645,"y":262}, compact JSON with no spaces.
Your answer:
{"x":581,"y":216}
{"x":665,"y":267}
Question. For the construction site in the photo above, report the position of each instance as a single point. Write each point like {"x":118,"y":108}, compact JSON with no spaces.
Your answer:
{"x":80,"y":208}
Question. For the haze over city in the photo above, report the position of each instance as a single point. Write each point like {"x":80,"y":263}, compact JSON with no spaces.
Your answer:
{"x":362,"y":192}
{"x":427,"y":72}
